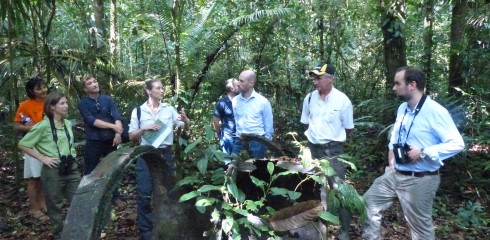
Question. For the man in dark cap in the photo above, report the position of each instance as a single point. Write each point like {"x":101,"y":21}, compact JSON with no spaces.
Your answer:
{"x":328,"y":113}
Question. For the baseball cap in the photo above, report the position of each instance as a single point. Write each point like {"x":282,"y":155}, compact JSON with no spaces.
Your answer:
{"x":322,"y":69}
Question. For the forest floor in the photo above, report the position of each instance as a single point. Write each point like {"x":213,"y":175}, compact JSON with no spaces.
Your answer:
{"x":456,"y":190}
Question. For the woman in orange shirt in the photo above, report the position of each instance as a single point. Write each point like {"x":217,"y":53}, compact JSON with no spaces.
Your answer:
{"x":28,"y":114}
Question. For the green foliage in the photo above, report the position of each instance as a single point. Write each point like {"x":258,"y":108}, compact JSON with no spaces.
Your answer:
{"x":216,"y":192}
{"x":471,"y":214}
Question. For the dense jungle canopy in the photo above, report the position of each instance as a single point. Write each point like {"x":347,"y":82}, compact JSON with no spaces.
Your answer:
{"x":195,"y":45}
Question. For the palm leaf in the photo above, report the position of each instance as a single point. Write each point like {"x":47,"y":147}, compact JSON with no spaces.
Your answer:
{"x":277,"y":12}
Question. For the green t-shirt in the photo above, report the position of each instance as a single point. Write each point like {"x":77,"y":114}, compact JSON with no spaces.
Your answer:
{"x":41,"y":139}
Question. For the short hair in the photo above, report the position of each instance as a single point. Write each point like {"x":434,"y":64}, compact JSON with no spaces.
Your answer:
{"x":413,"y":74}
{"x":149,"y":83}
{"x":33,"y":83}
{"x":86,"y":78}
{"x":229,"y":84}
{"x":51,"y":100}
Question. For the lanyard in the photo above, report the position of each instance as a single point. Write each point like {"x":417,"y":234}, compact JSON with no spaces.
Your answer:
{"x":417,"y":110}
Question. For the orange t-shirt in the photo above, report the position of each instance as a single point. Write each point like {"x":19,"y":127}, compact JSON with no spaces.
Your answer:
{"x":32,"y":108}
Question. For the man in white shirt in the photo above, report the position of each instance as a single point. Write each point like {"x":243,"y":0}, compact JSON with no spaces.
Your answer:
{"x":329,"y":115}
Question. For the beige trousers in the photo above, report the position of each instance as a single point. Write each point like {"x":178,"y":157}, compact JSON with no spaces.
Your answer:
{"x":416,"y":196}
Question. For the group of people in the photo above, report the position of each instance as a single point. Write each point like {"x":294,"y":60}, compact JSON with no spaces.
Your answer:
{"x":50,"y":165}
{"x":423,"y":135}
{"x":414,"y":159}
{"x":243,"y":111}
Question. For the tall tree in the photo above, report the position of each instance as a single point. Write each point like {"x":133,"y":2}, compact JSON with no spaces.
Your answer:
{"x":393,"y":38}
{"x":428,"y":41}
{"x":98,"y":6}
{"x":456,"y":53}
{"x":113,"y":37}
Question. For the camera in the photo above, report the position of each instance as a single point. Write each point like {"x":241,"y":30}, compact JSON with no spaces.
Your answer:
{"x":65,"y":164}
{"x":401,"y":153}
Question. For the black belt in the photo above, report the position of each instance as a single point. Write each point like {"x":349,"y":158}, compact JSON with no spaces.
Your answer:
{"x":418,"y":174}
{"x":329,"y":144}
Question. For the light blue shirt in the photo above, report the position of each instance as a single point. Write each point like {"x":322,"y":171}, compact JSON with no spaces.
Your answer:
{"x":253,"y":115}
{"x":433,"y":129}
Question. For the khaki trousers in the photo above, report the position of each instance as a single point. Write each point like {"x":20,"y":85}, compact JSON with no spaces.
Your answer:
{"x":416,"y":196}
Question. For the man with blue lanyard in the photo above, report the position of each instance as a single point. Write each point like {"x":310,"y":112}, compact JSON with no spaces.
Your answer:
{"x":423,"y":135}
{"x":223,"y":112}
{"x":253,"y":115}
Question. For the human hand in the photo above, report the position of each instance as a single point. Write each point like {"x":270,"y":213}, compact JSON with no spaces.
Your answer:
{"x":30,"y":123}
{"x":117,"y":128}
{"x":182,"y":116}
{"x":50,"y":162}
{"x":117,"y":140}
{"x":414,"y":154}
{"x":151,"y":127}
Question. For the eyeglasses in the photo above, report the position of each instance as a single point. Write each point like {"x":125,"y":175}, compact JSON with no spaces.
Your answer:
{"x":97,"y":105}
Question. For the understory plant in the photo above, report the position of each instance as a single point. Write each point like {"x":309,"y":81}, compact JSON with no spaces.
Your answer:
{"x":217,"y":189}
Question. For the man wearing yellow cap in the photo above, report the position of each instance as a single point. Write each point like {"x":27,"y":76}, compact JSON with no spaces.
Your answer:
{"x":328,"y":113}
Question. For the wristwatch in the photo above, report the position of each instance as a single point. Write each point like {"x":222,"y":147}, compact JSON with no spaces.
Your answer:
{"x":422,"y":153}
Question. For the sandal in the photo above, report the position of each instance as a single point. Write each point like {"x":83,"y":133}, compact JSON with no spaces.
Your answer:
{"x":39,"y":216}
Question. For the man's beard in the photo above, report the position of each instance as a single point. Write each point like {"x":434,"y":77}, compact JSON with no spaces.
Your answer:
{"x":402,"y":98}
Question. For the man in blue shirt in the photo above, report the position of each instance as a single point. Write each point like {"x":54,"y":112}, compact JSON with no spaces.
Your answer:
{"x":223,"y":112}
{"x":103,"y":127}
{"x":253,"y":115}
{"x":423,"y":135}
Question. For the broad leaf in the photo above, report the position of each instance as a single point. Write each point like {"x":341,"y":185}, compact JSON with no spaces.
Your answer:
{"x":329,"y":217}
{"x":202,"y":165}
{"x":188,"y":196}
{"x":295,"y":216}
{"x":192,"y":145}
{"x":207,"y":188}
{"x":270,"y":168}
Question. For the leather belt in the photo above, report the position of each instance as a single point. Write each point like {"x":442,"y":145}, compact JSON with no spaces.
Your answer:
{"x":418,"y":174}
{"x":329,"y":144}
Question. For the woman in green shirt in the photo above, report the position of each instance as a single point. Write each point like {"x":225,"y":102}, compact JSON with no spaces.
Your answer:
{"x":53,"y":139}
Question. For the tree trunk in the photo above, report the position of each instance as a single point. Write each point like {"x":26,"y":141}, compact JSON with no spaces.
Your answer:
{"x":113,"y":38}
{"x":428,"y":42}
{"x":14,"y":94}
{"x":98,"y":6}
{"x":394,"y":41}
{"x":457,"y":47}
{"x":177,"y":7}
{"x":321,"y":32}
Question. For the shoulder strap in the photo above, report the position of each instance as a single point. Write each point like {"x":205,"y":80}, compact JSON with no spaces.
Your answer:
{"x":55,"y":135}
{"x":309,"y":98}
{"x":138,"y":114}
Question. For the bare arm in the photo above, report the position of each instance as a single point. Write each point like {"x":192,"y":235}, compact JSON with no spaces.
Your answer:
{"x":23,"y":127}
{"x":348,"y":131}
{"x":136,"y":134}
{"x":391,"y":159}
{"x":217,"y":125}
{"x":117,"y":127}
{"x":48,"y":161}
